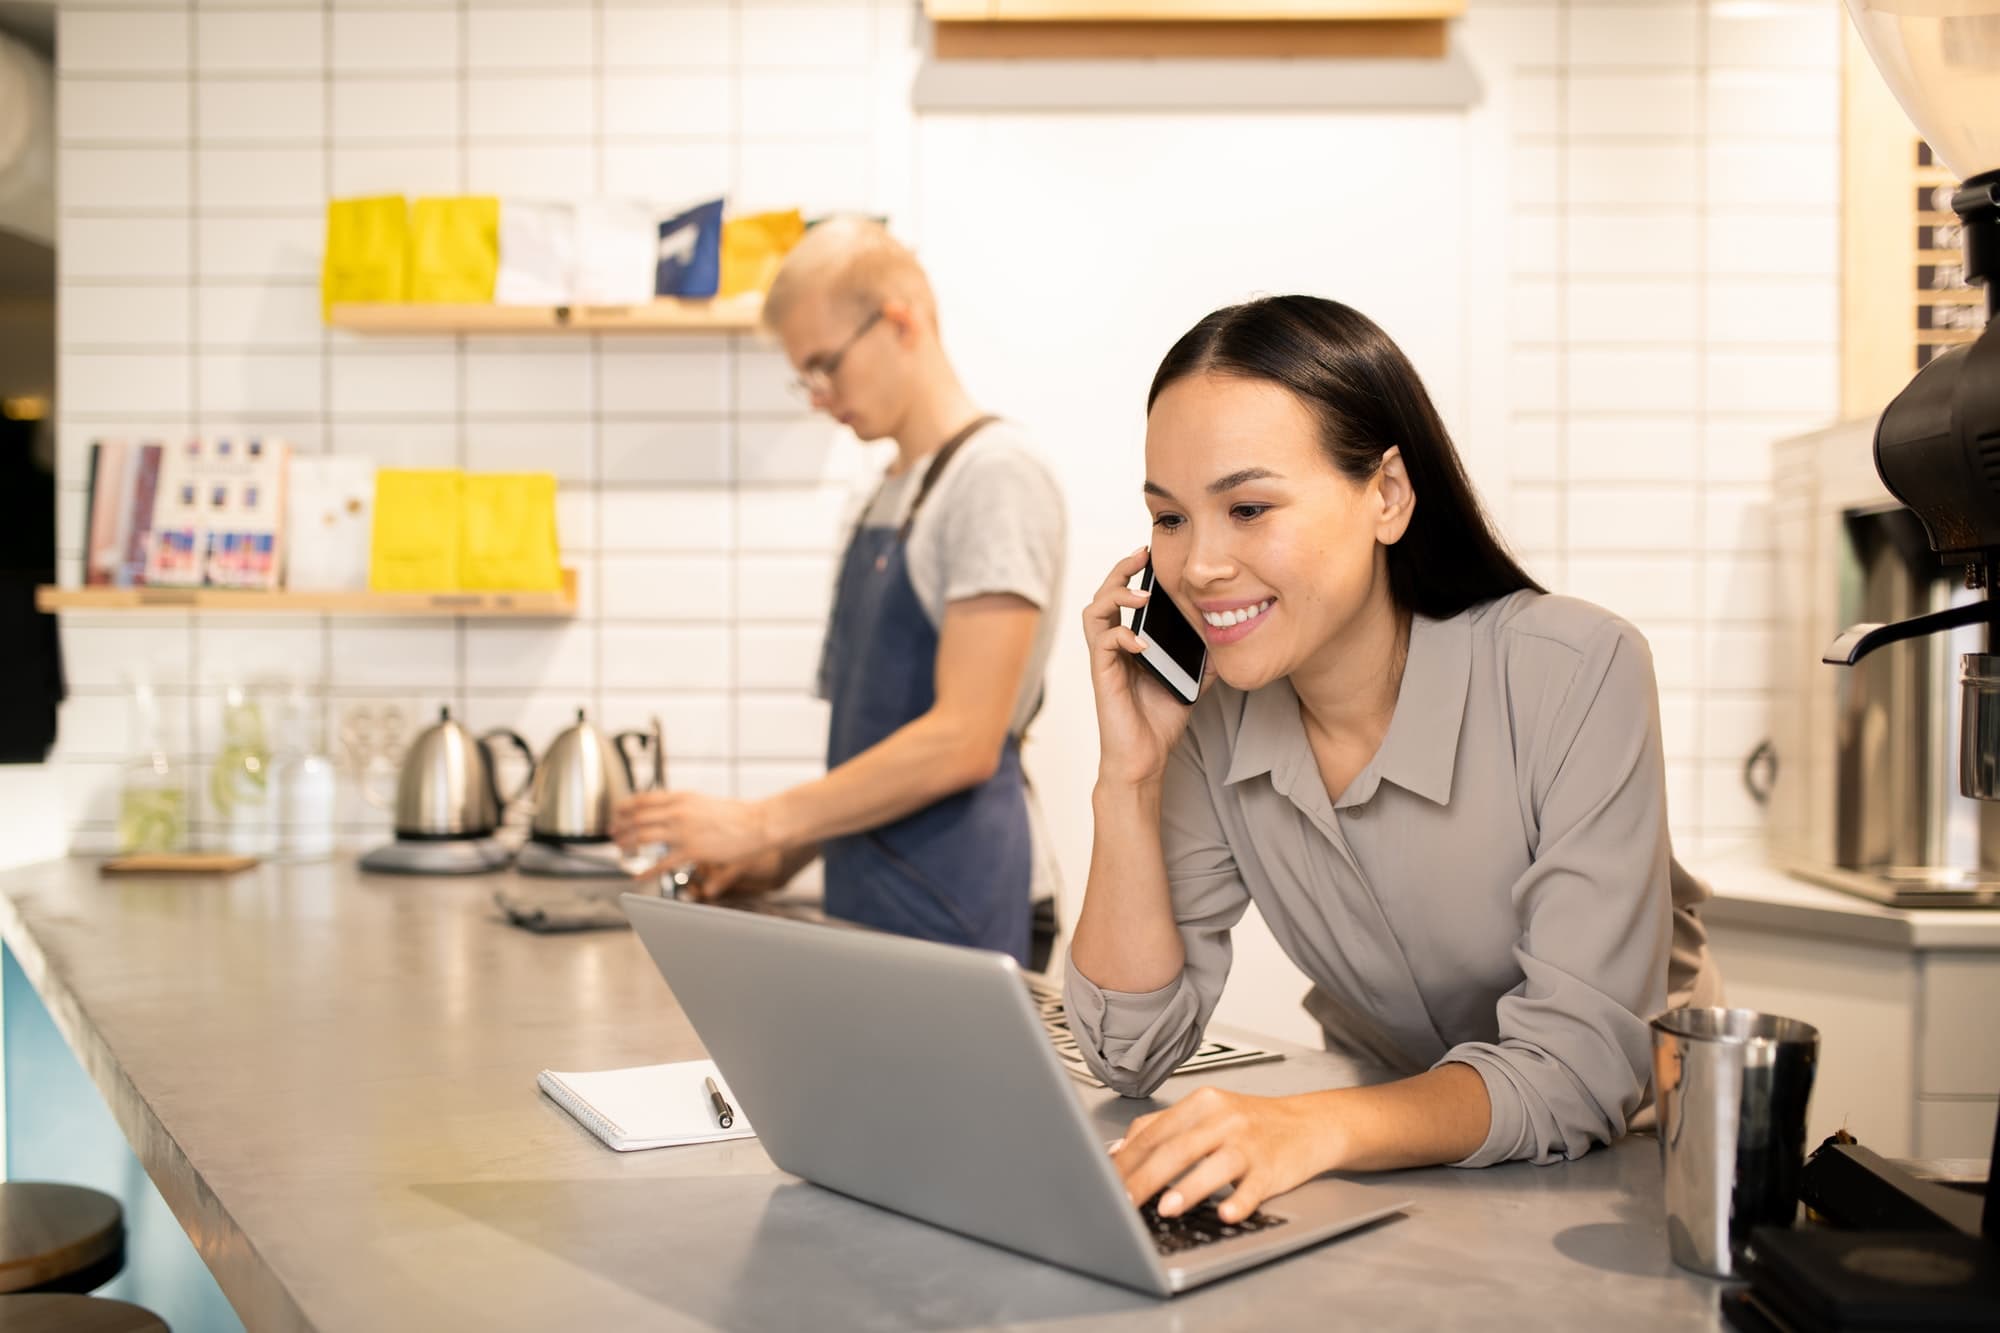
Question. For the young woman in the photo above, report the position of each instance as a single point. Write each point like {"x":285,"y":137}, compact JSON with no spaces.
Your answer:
{"x":1442,"y":787}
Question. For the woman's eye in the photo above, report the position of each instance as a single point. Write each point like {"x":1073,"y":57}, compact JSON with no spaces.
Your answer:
{"x":1246,"y":511}
{"x":1167,"y":522}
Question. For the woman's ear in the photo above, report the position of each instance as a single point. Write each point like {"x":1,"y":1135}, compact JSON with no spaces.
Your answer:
{"x":1396,"y":500}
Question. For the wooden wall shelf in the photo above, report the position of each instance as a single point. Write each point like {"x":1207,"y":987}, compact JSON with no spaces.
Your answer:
{"x":738,"y":314}
{"x":1189,"y":29}
{"x":547,"y":605}
{"x":1184,"y":11}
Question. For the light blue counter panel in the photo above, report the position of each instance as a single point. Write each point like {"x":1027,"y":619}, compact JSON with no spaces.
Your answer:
{"x":58,"y":1128}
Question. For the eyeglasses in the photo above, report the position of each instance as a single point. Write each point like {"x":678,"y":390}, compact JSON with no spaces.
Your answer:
{"x":817,"y":377}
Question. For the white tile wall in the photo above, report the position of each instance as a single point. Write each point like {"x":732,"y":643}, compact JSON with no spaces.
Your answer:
{"x":536,"y":39}
{"x":377,"y":109}
{"x":260,"y":110}
{"x":1666,"y":308}
{"x":123,"y":178}
{"x":122,"y":110}
{"x":1683,"y":304}
{"x":232,"y":42}
{"x":124,"y":248}
{"x":668,"y":36}
{"x":122,"y":43}
{"x":126,"y":316}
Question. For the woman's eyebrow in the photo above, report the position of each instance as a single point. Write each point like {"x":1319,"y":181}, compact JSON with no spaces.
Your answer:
{"x":1241,"y":475}
{"x":1221,"y":484}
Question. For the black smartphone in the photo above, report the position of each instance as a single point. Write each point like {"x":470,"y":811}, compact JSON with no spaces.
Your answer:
{"x":1175,"y":652}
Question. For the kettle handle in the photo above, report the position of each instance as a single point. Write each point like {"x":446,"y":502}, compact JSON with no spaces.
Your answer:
{"x":492,"y":777}
{"x":645,"y":742}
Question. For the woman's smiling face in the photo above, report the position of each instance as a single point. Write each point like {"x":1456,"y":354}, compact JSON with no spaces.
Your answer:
{"x":1262,"y":542}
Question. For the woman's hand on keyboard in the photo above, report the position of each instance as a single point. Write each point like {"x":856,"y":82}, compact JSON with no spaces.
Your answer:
{"x":1211,"y":1139}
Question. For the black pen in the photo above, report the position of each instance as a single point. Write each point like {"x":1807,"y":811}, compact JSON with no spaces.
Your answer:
{"x":723,"y":1115}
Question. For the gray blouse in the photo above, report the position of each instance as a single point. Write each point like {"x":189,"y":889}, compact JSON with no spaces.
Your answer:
{"x":1495,"y":888}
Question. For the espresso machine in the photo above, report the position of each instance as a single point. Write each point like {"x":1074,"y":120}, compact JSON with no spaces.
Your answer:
{"x":1907,"y":1252}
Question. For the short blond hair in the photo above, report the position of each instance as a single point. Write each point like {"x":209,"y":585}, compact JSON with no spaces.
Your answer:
{"x":854,"y":261}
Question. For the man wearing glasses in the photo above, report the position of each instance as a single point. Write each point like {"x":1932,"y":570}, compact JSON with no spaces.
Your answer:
{"x":941,"y":627}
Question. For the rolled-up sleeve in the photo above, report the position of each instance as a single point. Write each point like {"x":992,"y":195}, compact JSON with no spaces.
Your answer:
{"x":1134,"y":1041}
{"x":1571,"y":1063}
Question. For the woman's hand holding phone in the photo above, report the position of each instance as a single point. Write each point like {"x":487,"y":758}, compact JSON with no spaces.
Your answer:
{"x":1138,"y":720}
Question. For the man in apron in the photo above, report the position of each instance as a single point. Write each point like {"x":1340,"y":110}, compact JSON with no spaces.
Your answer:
{"x":941,"y":626}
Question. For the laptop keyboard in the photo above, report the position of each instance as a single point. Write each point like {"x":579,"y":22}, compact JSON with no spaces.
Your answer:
{"x":1198,"y":1226}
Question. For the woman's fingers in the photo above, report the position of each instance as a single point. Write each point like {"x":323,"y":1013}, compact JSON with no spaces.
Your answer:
{"x":1122,"y":572}
{"x":1218,"y":1169}
{"x":1249,"y":1195}
{"x":1164,"y":1152}
{"x":1167,"y":1163}
{"x":1183,"y":1141}
{"x":1109,"y":591}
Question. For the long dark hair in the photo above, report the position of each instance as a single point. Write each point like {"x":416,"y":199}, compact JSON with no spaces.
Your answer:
{"x":1368,"y":400}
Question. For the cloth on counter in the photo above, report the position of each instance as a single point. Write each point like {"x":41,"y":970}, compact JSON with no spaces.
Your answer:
{"x":553,"y":906}
{"x":1496,"y":888}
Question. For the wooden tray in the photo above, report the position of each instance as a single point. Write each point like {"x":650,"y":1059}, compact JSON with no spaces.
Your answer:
{"x":178,"y":863}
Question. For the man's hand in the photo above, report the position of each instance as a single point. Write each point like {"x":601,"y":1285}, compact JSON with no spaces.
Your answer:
{"x":757,"y":874}
{"x":693,"y":827}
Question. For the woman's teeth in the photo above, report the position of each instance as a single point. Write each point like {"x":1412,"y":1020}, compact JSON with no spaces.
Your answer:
{"x":1224,"y":619}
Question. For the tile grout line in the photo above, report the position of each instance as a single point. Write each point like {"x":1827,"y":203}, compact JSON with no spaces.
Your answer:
{"x":1562,"y":275}
{"x":734,"y":461}
{"x":461,"y":447}
{"x":599,"y":78}
{"x":193,"y":631}
{"x":1703,"y":137}
{"x":326,"y":727}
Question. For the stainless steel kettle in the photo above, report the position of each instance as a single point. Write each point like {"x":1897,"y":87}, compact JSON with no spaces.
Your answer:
{"x":582,"y":777}
{"x":446,"y":788}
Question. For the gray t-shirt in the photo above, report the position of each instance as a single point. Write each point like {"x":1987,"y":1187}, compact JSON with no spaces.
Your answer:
{"x":993,"y":523}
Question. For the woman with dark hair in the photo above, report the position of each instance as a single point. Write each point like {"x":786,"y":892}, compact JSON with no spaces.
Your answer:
{"x":1442,"y":787}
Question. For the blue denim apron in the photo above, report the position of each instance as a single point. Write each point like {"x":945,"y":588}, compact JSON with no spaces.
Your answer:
{"x":958,"y":870}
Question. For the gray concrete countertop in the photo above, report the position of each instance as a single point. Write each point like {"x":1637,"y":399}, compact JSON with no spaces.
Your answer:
{"x":331,"y":1078}
{"x":1750,"y":892}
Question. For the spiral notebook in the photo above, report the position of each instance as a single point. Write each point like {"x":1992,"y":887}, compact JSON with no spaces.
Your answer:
{"x":651,"y":1106}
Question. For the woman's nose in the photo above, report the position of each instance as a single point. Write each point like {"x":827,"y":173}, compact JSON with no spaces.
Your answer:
{"x":1208,"y":561}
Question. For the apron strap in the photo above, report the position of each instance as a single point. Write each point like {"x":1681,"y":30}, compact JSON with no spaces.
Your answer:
{"x":938,"y":461}
{"x":931,"y":473}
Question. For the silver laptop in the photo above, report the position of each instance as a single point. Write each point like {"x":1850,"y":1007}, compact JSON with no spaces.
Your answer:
{"x":917,"y":1076}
